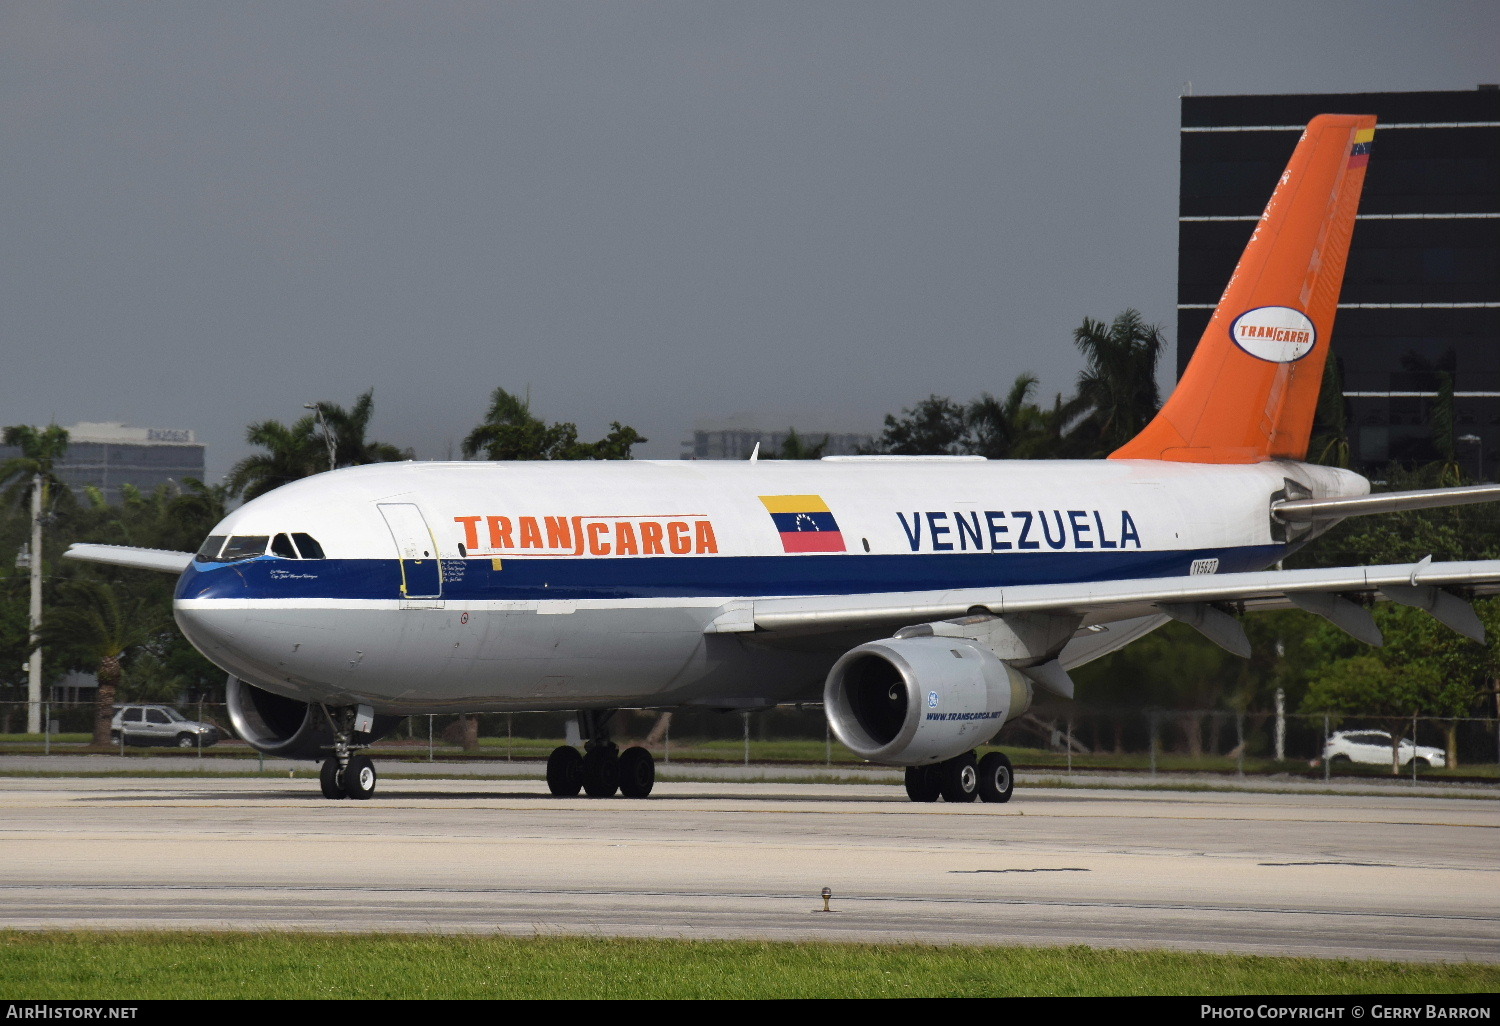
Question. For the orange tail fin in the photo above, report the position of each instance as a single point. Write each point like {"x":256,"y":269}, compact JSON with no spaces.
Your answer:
{"x":1251,"y":388}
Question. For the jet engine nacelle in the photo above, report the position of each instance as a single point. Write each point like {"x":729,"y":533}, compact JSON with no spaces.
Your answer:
{"x":916,"y":701}
{"x":285,"y":727}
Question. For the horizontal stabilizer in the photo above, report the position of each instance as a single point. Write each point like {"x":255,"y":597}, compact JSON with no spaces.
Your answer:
{"x":161,"y":560}
{"x":1383,"y":502}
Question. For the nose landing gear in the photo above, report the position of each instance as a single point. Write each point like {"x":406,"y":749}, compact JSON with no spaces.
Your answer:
{"x":345,"y":773}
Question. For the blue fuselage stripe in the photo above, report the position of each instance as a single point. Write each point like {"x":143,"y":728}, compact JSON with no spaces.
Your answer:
{"x":533,"y":579}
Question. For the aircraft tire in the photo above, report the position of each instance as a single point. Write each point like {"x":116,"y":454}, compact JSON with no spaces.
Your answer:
{"x":601,"y":773}
{"x":922,"y":784}
{"x":958,"y":778}
{"x":637,"y":772}
{"x":996,"y":779}
{"x":360,"y":777}
{"x":564,"y":772}
{"x":331,"y":780}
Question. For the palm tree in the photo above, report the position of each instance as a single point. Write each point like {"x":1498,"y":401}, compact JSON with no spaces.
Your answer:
{"x":301,"y":450}
{"x":795,"y":447}
{"x":1000,"y":426}
{"x":510,"y":431}
{"x":40,"y":451}
{"x":1444,"y":424}
{"x":350,"y":447}
{"x":31,"y":477}
{"x":97,"y":626}
{"x":290,"y":453}
{"x":1118,"y":384}
{"x":1330,"y":438}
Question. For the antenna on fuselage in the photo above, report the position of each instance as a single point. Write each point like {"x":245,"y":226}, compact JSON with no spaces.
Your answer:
{"x":755,"y":453}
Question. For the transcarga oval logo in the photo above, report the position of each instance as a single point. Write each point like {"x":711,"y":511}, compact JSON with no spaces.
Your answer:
{"x":1278,"y":334}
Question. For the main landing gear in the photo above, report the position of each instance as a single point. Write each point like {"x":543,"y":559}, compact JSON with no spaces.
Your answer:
{"x":346,"y":773}
{"x":602,"y":769}
{"x":962,"y":779}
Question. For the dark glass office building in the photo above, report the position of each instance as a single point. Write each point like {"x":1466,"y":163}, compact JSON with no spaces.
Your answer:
{"x":109,"y":456}
{"x":1421,"y":296}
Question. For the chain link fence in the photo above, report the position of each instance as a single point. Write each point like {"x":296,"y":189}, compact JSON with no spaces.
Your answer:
{"x":1154,"y":740}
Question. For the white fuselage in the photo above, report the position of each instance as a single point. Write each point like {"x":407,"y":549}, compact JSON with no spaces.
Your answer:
{"x":576,"y":585}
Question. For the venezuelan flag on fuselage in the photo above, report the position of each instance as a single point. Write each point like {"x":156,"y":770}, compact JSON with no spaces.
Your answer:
{"x":805,"y":523}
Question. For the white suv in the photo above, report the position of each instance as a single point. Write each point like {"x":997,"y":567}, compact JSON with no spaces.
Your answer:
{"x":161,"y":725}
{"x":1374,"y":747}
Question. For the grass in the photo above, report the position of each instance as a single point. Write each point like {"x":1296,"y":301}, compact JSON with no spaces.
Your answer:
{"x":142,"y":966}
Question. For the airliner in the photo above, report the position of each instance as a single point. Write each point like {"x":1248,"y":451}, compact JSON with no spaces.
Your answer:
{"x":922,"y":600}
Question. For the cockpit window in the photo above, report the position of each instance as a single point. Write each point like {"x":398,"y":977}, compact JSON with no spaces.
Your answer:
{"x":244,"y":546}
{"x":209,"y":550}
{"x":281,"y":546}
{"x":308,"y":546}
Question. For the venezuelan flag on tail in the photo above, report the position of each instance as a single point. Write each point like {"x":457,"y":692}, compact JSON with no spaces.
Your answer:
{"x":1251,"y":389}
{"x":805,"y":523}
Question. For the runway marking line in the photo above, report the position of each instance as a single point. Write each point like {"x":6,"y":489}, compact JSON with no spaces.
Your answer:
{"x":895,"y":808}
{"x":467,"y":892}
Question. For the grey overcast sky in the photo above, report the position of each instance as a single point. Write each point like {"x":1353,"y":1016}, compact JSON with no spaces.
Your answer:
{"x":647,"y":212}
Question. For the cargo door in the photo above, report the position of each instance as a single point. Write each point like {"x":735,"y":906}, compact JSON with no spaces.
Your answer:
{"x":421,"y":571}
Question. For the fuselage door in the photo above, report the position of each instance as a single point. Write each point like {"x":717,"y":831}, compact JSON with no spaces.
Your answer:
{"x":421,"y":571}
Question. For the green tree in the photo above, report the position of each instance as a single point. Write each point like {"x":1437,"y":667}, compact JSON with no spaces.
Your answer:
{"x":1330,"y":444}
{"x":510,"y":431}
{"x":301,"y":449}
{"x":291,"y":453}
{"x":1000,"y":425}
{"x":1424,"y":670}
{"x":350,"y":446}
{"x":1117,"y":389}
{"x":40,"y":451}
{"x":936,"y":426}
{"x":795,"y":447}
{"x":172,"y":516}
{"x":95,"y":625}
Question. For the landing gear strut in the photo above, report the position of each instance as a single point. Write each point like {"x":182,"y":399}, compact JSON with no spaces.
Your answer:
{"x":602,"y":769}
{"x":346,"y":773}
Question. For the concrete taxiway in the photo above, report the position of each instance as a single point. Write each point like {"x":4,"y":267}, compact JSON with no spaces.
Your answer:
{"x":1396,"y":876}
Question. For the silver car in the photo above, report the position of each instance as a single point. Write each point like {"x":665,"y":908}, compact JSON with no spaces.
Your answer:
{"x":1374,"y":747}
{"x":161,"y":725}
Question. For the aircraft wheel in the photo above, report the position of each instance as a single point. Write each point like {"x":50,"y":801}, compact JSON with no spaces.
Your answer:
{"x":958,"y":778}
{"x":359,"y":777}
{"x":637,"y":772}
{"x":331,"y":780}
{"x":922,"y":783}
{"x":564,"y":771}
{"x":996,"y":781}
{"x":601,"y":772}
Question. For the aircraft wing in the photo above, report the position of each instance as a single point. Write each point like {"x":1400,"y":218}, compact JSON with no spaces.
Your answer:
{"x":163,"y":560}
{"x":1205,"y":601}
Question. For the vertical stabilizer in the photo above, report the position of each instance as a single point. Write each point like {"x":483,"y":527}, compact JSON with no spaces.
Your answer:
{"x":1251,"y":388}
